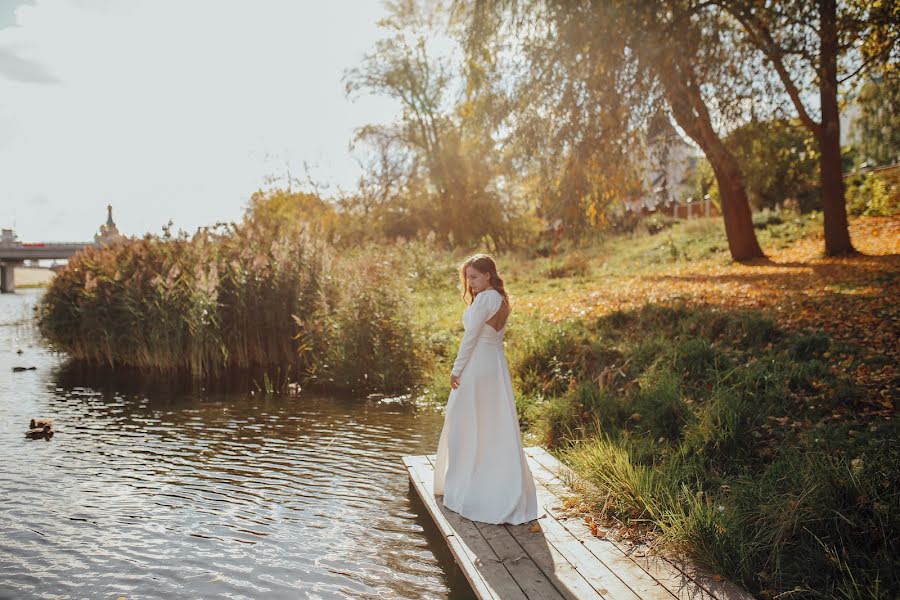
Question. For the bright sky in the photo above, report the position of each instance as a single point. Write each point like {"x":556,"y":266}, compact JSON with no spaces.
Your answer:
{"x":171,"y":108}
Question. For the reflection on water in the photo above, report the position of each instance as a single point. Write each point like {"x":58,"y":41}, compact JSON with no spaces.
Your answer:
{"x":145,"y":492}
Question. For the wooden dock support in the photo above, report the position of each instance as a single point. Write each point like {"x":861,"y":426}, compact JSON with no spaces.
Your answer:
{"x":562,"y":560}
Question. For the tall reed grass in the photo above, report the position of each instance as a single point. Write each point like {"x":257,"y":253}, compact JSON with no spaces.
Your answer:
{"x":235,"y":296}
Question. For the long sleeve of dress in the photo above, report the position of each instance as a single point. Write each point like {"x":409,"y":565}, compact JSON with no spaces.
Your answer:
{"x":485,"y":305}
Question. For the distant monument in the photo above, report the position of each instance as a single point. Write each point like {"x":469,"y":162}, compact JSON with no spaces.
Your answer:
{"x":108,"y":231}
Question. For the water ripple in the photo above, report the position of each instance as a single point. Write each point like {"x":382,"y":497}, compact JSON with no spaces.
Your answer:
{"x":168,"y":495}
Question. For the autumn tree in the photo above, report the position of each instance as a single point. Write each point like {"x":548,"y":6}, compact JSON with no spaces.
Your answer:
{"x":285,"y":210}
{"x":589,"y":76}
{"x":780,"y":161}
{"x":814,"y":47}
{"x":433,"y":166}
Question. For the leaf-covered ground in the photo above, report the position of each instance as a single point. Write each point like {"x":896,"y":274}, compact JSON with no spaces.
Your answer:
{"x":856,"y":300}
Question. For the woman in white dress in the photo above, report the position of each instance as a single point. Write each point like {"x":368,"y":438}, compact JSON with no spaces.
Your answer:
{"x":481,"y":468}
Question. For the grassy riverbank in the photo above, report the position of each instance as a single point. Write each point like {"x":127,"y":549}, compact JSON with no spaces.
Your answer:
{"x":741,"y":413}
{"x":729,"y":437}
{"x":850,"y":299}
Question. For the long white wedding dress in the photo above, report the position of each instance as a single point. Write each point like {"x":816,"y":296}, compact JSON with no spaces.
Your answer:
{"x":481,"y":468}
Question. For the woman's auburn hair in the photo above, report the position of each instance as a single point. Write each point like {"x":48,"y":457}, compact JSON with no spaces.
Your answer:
{"x":484,"y":263}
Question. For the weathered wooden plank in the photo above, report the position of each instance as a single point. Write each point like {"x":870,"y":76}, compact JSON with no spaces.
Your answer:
{"x":637,"y":569}
{"x":637,"y":580}
{"x":488,"y":577}
{"x":564,"y":560}
{"x":528,"y":575}
{"x":680,"y":577}
{"x":599,"y":576}
{"x":618,"y":578}
{"x":520,"y":565}
{"x":555,"y":565}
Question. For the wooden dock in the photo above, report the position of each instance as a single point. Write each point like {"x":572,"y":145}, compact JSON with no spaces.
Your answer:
{"x":562,"y":560}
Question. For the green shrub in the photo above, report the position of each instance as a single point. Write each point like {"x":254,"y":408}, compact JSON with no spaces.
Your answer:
{"x":661,"y":406}
{"x":694,"y":358}
{"x":873,"y":194}
{"x":766,"y":217}
{"x":658,"y":222}
{"x":374,"y":345}
{"x":551,"y":357}
{"x":805,"y":346}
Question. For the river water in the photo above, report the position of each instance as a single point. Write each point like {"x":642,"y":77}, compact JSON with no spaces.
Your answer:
{"x":151,"y":491}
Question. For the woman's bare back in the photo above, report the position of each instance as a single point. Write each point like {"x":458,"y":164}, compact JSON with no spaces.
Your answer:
{"x":498,"y":320}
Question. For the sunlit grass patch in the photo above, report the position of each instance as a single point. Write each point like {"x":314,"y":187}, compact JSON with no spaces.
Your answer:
{"x":709,"y":428}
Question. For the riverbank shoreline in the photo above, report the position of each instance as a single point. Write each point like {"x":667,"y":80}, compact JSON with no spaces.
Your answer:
{"x":34,"y":277}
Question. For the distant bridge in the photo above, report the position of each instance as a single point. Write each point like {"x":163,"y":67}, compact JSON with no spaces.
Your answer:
{"x":15,"y":254}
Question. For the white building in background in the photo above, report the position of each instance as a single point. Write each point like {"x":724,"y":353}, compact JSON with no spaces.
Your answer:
{"x":668,"y":167}
{"x":847,"y":119}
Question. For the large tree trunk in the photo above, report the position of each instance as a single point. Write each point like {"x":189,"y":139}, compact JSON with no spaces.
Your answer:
{"x":735,"y":206}
{"x":691,"y":114}
{"x":834,"y":206}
